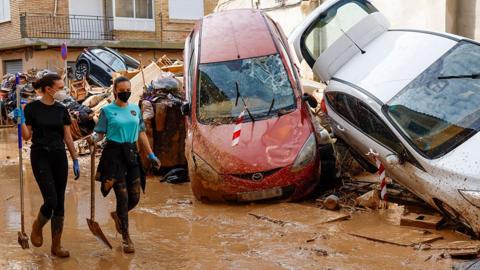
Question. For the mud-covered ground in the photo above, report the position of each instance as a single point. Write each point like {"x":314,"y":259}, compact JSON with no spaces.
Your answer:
{"x":173,"y":231}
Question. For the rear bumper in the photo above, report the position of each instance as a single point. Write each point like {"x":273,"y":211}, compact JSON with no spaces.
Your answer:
{"x":293,"y":186}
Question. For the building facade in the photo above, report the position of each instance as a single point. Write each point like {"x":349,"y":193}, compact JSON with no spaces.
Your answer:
{"x":32,"y":31}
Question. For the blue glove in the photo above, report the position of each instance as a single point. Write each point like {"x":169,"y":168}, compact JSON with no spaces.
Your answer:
{"x":19,"y":113}
{"x":154,"y":160}
{"x":76,"y":169}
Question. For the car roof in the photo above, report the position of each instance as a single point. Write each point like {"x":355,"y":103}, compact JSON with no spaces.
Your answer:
{"x":393,"y":60}
{"x":235,"y":34}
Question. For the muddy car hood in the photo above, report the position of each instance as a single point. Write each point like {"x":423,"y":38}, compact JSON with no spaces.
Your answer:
{"x":461,"y":163}
{"x":264,"y":145}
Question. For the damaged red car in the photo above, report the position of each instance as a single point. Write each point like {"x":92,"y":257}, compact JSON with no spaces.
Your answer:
{"x":250,"y":135}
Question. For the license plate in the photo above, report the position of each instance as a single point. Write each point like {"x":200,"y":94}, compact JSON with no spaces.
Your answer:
{"x":260,"y":194}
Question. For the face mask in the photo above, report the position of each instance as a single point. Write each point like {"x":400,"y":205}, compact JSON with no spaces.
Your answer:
{"x":60,"y":95}
{"x":124,"y":96}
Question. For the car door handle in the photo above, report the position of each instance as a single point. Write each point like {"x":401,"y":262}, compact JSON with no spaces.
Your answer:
{"x":340,"y":128}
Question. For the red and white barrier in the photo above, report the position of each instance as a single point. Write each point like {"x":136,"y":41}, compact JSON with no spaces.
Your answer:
{"x":238,"y":129}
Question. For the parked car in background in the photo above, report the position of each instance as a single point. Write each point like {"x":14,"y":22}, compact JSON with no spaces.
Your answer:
{"x":237,"y":66}
{"x":411,"y":97}
{"x":97,"y":64}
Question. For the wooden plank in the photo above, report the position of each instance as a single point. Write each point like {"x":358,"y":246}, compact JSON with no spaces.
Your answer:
{"x":151,"y":72}
{"x":457,"y":245}
{"x":395,"y":235}
{"x":298,"y":214}
{"x":421,"y":221}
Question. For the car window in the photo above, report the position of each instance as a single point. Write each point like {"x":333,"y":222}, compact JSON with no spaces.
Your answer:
{"x":117,"y":64}
{"x":339,"y":103}
{"x":331,"y":25}
{"x":369,"y":122}
{"x":260,"y":83}
{"x":439,"y":110}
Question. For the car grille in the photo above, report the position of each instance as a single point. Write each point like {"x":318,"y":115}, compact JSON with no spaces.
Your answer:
{"x":257,"y":176}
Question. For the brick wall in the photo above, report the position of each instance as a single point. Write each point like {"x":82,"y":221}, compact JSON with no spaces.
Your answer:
{"x":165,"y":30}
{"x":10,"y":31}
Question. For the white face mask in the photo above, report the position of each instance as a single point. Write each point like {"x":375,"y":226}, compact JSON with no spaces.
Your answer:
{"x":60,"y":95}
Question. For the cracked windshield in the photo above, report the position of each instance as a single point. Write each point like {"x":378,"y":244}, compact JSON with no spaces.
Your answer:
{"x":261,"y":84}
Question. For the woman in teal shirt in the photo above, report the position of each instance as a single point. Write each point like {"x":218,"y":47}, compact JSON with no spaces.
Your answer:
{"x":119,"y":168}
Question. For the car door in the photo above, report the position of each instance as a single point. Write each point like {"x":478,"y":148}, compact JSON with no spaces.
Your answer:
{"x":100,"y":68}
{"x":370,"y":133}
{"x":341,"y":116}
{"x":335,"y":32}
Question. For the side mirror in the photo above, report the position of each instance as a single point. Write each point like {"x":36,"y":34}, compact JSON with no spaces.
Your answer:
{"x":393,"y":160}
{"x":312,"y":102}
{"x":185,"y":109}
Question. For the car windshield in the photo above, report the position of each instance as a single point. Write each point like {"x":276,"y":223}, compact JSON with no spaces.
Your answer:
{"x":261,"y":83}
{"x":440,"y":109}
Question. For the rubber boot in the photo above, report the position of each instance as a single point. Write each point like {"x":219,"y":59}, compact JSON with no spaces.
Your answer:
{"x":57,"y":229}
{"x":127,"y":244}
{"x":37,"y":235}
{"x":118,"y":225}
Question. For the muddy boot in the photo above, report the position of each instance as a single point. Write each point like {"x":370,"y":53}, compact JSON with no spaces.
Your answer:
{"x":57,"y":229}
{"x":117,"y":222}
{"x":127,"y":244}
{"x":37,"y":236}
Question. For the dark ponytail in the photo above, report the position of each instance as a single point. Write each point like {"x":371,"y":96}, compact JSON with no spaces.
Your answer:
{"x":46,"y":81}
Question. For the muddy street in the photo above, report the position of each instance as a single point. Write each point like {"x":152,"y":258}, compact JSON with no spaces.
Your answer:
{"x":173,"y":231}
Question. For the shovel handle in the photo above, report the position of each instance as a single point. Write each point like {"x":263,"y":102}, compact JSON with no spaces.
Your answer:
{"x":20,"y":157}
{"x":92,"y":182}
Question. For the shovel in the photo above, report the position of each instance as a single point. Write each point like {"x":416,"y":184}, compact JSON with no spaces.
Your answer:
{"x":92,"y":224}
{"x":22,"y":236}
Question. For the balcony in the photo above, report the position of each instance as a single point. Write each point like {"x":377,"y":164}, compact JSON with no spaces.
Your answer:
{"x":77,"y":27}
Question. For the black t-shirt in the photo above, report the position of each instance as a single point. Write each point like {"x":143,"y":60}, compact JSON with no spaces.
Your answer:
{"x":47,"y":123}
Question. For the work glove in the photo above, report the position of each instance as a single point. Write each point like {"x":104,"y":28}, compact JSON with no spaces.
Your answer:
{"x":154,"y":161}
{"x":76,"y":169}
{"x":17,"y":112}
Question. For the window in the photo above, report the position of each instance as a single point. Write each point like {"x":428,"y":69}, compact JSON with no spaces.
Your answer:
{"x":4,"y":10}
{"x":13,"y":66}
{"x":331,"y":25}
{"x":110,"y":59}
{"x":261,"y":83}
{"x":339,"y":104}
{"x":139,"y":9}
{"x":373,"y":126}
{"x":192,"y":64}
{"x":364,"y":119}
{"x":439,"y":109}
{"x":185,"y":9}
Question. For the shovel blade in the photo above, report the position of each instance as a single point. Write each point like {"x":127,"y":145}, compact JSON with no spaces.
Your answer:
{"x":23,"y":240}
{"x":97,"y":232}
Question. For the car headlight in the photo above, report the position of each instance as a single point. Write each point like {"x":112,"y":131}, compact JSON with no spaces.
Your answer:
{"x":472,"y":196}
{"x":204,"y":170}
{"x":307,"y":154}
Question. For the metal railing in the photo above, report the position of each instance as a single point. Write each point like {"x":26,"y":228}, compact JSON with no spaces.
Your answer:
{"x":39,"y":25}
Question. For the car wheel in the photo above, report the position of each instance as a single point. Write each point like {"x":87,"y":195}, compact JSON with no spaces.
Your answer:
{"x":81,"y":71}
{"x":453,"y":215}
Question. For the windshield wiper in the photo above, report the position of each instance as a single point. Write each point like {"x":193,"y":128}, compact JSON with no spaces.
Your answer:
{"x":244,"y":103}
{"x":271,"y":106}
{"x":468,"y":76}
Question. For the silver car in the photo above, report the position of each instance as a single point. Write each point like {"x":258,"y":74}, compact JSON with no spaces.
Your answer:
{"x":411,"y":96}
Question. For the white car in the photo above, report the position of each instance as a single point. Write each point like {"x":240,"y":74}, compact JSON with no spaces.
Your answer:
{"x":411,"y":96}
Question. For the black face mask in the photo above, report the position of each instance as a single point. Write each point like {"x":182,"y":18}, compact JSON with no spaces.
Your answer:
{"x":124,"y":96}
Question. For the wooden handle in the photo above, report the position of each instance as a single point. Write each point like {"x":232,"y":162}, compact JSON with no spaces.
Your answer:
{"x":92,"y":182}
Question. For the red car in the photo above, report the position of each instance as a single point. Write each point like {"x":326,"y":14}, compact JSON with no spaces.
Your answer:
{"x":249,"y":131}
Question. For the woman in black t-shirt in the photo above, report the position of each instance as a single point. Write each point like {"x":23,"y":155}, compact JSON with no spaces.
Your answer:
{"x":47,"y":123}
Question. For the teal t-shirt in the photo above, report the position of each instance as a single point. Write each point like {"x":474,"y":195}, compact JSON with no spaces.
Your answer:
{"x":120,"y":124}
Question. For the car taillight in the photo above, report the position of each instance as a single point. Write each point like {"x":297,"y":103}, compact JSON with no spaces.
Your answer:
{"x":323,"y":106}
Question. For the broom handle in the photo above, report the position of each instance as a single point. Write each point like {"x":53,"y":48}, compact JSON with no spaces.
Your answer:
{"x":92,"y":182}
{"x":20,"y":157}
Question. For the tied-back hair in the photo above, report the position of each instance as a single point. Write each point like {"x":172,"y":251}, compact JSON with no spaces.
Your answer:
{"x":46,"y":81}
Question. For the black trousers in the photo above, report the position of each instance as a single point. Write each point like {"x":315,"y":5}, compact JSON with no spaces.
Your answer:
{"x":127,"y":193}
{"x":50,"y":168}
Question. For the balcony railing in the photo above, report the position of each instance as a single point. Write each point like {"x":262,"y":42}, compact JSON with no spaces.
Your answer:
{"x":37,"y":25}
